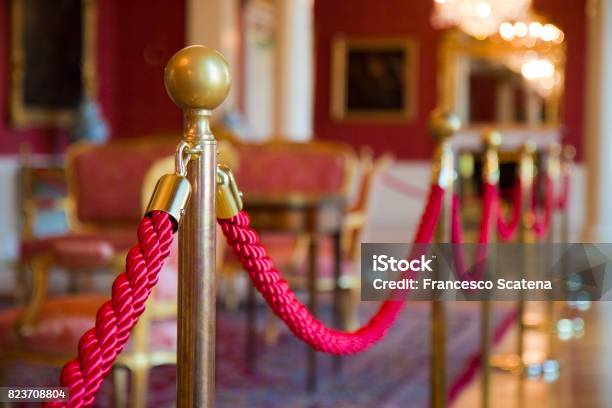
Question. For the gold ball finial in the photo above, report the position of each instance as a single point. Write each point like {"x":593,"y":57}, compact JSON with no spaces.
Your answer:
{"x":197,"y":77}
{"x":492,"y":138}
{"x":555,"y":149}
{"x":443,"y":125}
{"x":529,"y":147}
{"x":569,"y":152}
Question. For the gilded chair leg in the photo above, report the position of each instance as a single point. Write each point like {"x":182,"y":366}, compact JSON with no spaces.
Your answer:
{"x":139,"y":381}
{"x":39,"y":281}
{"x":22,"y":280}
{"x":351,"y":309}
{"x":120,"y":391}
{"x":271,"y":332}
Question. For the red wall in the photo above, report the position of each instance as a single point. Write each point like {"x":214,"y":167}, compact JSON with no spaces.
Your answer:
{"x":377,"y":18}
{"x":134,"y":40}
{"x":570,"y":16}
{"x":149,"y":32}
{"x":412,"y":18}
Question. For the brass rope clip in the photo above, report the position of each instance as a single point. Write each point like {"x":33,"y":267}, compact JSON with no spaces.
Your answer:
{"x":492,"y":142}
{"x":229,"y":198}
{"x":172,"y":190}
{"x":443,"y":125}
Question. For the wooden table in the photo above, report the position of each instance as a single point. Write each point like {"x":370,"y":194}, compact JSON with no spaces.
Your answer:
{"x":316,"y":215}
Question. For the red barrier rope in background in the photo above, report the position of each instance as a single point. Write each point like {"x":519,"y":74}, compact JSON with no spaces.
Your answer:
{"x":565,"y":190}
{"x":402,"y":187}
{"x":507,"y":229}
{"x":489,"y":204}
{"x":100,"y":345}
{"x":277,"y":293}
{"x":542,"y":223}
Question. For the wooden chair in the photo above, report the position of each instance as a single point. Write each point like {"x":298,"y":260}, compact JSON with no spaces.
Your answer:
{"x":46,"y":329}
{"x":41,"y":192}
{"x":103,"y":208}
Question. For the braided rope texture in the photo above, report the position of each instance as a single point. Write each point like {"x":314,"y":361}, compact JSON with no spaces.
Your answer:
{"x":100,"y":345}
{"x":277,"y":293}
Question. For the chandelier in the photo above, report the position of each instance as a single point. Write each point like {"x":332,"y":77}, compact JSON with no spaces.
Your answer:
{"x":478,"y":18}
{"x":542,"y":76}
{"x":529,"y":33}
{"x":540,"y":53}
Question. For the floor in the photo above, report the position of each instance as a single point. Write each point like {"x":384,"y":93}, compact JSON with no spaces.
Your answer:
{"x":585,"y":379}
{"x":391,"y":374}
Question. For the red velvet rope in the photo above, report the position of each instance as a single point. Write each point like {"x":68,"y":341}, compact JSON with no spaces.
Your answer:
{"x":100,"y":345}
{"x":542,"y":222}
{"x":277,"y":293}
{"x":402,"y":187}
{"x":565,"y":190}
{"x":489,"y":203}
{"x":507,"y":229}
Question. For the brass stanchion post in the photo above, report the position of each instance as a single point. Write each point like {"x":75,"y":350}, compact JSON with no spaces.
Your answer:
{"x":514,"y":362}
{"x":569,"y":152}
{"x":526,"y":171}
{"x":490,"y":175}
{"x":442,"y":126}
{"x":553,"y":168}
{"x":197,"y":80}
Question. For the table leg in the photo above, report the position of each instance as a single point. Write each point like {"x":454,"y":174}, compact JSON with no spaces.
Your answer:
{"x":338,"y":294}
{"x":313,"y":254}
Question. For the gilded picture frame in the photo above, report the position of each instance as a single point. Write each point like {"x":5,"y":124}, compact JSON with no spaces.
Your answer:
{"x":374,"y":79}
{"x":25,"y":114}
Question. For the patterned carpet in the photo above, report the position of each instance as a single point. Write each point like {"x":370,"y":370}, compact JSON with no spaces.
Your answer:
{"x":394,"y":373}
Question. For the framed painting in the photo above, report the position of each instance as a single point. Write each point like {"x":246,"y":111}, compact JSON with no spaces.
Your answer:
{"x":52,"y":60}
{"x":373,"y":79}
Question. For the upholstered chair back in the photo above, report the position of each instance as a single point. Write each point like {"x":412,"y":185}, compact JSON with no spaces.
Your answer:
{"x":286,"y":167}
{"x":105,"y":181}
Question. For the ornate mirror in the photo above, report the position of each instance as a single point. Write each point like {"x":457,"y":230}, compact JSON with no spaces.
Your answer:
{"x":506,"y":80}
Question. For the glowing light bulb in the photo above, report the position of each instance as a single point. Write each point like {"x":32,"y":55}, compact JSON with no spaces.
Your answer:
{"x":537,"y":69}
{"x":483,"y":9}
{"x":506,"y":30}
{"x":520,"y":29}
{"x":549,"y":32}
{"x":535,"y":29}
{"x":478,"y":18}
